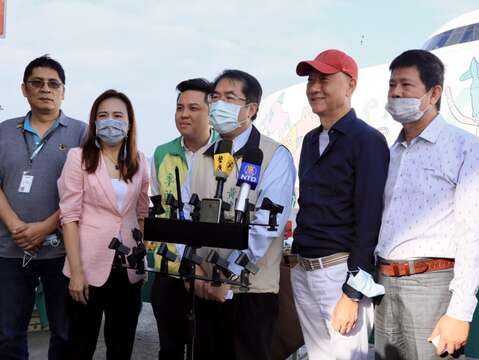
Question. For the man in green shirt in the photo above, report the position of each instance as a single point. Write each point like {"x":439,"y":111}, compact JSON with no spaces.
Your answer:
{"x":168,"y":294}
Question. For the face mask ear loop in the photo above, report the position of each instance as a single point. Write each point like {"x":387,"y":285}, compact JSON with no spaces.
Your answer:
{"x":429,"y":106}
{"x":97,"y":143}
{"x":247,"y":105}
{"x":240,"y":123}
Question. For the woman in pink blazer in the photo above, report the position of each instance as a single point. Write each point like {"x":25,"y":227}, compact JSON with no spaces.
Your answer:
{"x":103,"y":194}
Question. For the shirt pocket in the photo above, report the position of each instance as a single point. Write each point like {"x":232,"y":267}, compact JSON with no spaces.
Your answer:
{"x":435,"y":179}
{"x":337,"y":273}
{"x":434,"y":193}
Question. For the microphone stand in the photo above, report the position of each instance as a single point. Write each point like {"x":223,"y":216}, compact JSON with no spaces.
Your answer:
{"x":188,"y":272}
{"x":174,"y":231}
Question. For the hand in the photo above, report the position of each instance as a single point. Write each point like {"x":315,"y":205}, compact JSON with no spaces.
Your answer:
{"x":345,"y":315}
{"x":31,"y":236}
{"x":199,"y":284}
{"x":199,"y":288}
{"x":78,"y":287}
{"x":452,"y":333}
{"x":16,"y":226}
{"x":217,"y":293}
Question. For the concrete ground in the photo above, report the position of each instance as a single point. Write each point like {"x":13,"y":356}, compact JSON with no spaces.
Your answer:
{"x":146,"y":342}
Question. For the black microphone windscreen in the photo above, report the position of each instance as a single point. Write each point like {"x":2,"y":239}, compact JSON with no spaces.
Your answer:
{"x":224,"y":146}
{"x":253,"y":156}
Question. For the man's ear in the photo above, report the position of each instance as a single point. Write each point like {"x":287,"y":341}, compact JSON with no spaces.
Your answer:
{"x":436,"y":94}
{"x":351,"y":86}
{"x":24,"y":90}
{"x":252,"y":109}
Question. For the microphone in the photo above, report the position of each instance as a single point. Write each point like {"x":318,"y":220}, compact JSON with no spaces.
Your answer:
{"x":181,"y":213}
{"x":248,"y":179}
{"x":224,"y":164}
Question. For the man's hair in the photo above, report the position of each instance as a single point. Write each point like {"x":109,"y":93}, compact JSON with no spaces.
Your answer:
{"x":198,"y":84}
{"x":429,"y":66}
{"x":47,"y":62}
{"x":251,"y":86}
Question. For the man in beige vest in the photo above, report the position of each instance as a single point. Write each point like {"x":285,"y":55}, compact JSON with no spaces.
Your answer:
{"x":241,"y":327}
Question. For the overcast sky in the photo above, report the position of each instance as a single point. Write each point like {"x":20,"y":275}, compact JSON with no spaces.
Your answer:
{"x":144,"y":48}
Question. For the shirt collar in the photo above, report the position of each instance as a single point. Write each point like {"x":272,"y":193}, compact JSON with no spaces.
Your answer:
{"x":429,"y":134}
{"x":185,"y":148}
{"x":249,"y":138}
{"x":26,"y":125}
{"x":432,"y":131}
{"x":344,"y":124}
{"x":241,"y":139}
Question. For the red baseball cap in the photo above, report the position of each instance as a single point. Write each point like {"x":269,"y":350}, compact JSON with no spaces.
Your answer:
{"x":329,"y":62}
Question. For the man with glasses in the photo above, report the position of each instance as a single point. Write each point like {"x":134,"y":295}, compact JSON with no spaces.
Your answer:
{"x":33,"y":149}
{"x":241,"y":327}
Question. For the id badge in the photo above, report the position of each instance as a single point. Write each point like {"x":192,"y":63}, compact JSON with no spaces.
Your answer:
{"x":26,"y":182}
{"x":52,"y":240}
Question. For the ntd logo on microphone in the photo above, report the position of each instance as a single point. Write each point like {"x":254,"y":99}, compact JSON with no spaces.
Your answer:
{"x":249,"y":173}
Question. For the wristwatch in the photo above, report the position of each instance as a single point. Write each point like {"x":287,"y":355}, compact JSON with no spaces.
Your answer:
{"x":352,"y":293}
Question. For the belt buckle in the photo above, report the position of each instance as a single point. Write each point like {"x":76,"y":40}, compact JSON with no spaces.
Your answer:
{"x":303,"y":263}
{"x":411,"y":267}
{"x":307,"y":264}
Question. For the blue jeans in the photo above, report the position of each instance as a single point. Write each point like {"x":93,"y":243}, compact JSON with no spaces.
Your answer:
{"x":17,"y":298}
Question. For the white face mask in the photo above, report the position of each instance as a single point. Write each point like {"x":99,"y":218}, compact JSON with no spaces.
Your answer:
{"x":111,"y":131}
{"x":224,"y":116}
{"x":365,"y":284}
{"x":406,"y":110}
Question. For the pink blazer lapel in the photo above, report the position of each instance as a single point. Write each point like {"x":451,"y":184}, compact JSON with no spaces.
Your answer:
{"x":105,"y":182}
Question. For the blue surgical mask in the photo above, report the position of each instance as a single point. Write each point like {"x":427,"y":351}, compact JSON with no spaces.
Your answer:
{"x":111,"y":131}
{"x":363,"y":282}
{"x":224,"y":116}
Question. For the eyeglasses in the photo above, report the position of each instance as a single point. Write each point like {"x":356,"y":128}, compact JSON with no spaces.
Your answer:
{"x":38,"y":84}
{"x":229,"y":98}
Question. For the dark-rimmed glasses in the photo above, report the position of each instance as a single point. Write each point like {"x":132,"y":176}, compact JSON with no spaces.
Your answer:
{"x":38,"y":84}
{"x":229,"y":98}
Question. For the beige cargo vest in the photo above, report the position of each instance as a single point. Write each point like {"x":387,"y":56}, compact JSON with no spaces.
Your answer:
{"x":204,"y":184}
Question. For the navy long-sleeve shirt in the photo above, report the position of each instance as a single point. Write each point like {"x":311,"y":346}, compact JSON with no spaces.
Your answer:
{"x":341,"y":192}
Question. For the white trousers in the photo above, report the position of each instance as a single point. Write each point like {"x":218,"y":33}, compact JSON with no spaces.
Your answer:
{"x":316,"y":294}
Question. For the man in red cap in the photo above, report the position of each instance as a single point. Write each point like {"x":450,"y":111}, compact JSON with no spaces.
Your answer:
{"x":342,"y":173}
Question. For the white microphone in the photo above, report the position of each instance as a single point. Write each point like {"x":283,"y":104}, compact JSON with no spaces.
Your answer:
{"x":247,"y":180}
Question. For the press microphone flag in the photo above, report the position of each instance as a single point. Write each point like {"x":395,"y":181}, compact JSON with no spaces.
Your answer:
{"x":224,"y":164}
{"x":248,"y":179}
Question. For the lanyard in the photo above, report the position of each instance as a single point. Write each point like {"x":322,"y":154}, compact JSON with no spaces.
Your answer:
{"x":38,"y":148}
